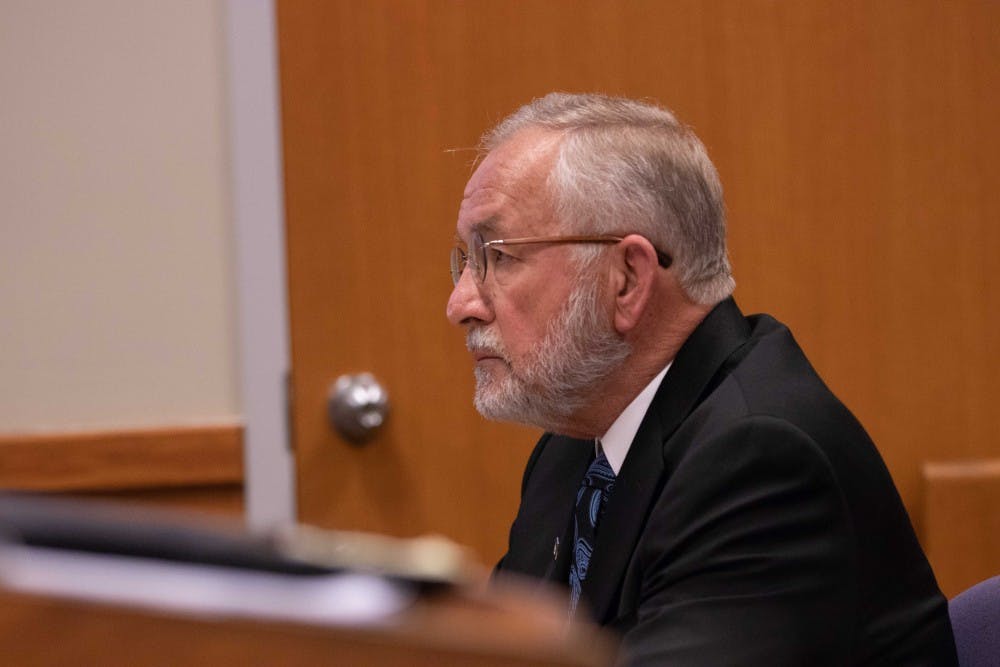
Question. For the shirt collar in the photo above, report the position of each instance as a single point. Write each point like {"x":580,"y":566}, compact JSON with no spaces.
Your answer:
{"x":617,"y":441}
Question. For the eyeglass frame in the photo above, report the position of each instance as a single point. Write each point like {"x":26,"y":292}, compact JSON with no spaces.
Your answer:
{"x":460,"y":258}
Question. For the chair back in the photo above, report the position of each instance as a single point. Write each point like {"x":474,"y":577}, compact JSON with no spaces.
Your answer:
{"x":975,"y":618}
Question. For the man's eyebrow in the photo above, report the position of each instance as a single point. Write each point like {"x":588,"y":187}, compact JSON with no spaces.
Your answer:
{"x":486,"y":226}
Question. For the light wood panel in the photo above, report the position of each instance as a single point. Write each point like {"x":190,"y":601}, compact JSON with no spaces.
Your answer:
{"x":962,"y":522}
{"x":856,"y":141}
{"x":187,"y":468}
{"x":122,"y":459}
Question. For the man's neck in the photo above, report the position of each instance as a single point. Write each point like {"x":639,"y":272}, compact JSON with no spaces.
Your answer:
{"x":653,"y":349}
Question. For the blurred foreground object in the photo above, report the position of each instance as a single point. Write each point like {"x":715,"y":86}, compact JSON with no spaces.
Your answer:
{"x":94,"y":584}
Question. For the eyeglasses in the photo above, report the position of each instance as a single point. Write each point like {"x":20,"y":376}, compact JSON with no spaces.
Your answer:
{"x":478,"y":256}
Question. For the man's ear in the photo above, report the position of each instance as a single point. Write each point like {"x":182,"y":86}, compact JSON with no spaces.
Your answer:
{"x":634,"y":280}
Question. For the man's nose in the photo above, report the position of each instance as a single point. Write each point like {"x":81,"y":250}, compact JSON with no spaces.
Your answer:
{"x":466,"y":302}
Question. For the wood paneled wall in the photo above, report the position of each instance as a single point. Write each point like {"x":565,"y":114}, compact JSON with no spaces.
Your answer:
{"x":856,"y":140}
{"x":858,"y":158}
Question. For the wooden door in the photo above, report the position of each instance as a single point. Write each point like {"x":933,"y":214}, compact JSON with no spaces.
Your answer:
{"x":857,"y":142}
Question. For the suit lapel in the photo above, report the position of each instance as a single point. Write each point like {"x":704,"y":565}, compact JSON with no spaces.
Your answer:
{"x":551,"y":495}
{"x":641,"y":477}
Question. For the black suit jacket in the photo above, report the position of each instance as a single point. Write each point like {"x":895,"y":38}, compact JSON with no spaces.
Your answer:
{"x":753,"y":522}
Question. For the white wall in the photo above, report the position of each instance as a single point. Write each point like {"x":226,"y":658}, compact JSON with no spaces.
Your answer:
{"x":116,"y":280}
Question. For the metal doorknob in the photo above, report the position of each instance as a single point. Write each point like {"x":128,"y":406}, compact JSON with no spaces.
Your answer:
{"x":357,"y":406}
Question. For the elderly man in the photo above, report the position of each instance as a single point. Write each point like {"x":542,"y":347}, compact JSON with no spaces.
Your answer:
{"x":698,"y":487}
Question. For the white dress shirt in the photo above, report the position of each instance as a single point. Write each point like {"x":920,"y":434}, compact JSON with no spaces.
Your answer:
{"x":618,"y":439}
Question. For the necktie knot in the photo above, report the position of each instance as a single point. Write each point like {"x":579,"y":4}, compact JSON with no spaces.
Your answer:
{"x":599,"y":475}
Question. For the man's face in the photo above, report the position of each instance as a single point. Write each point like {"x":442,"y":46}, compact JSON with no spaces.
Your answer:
{"x":538,"y":329}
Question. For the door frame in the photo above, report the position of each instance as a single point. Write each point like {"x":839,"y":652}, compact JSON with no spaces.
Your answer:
{"x":256,"y":180}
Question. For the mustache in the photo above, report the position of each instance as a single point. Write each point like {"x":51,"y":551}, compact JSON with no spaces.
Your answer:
{"x":485,"y":340}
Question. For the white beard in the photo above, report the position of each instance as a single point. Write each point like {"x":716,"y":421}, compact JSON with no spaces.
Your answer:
{"x":555,"y":379}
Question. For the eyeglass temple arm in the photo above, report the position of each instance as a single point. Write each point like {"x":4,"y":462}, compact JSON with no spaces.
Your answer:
{"x":663,"y":258}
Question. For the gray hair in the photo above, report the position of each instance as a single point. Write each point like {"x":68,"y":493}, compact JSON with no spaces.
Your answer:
{"x":626,"y":166}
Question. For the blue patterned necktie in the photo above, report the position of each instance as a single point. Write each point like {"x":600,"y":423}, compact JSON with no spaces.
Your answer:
{"x":590,"y":501}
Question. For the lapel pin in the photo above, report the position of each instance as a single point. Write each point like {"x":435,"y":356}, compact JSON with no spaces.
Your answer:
{"x":555,"y":550}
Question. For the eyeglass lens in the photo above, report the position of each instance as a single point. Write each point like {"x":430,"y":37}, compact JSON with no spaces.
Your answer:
{"x":473,"y":256}
{"x":458,"y":262}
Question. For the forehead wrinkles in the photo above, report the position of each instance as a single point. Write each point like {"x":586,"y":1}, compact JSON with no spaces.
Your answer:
{"x":513,"y":181}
